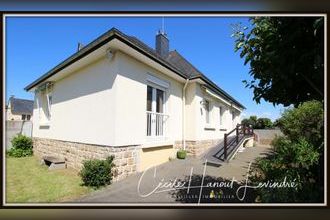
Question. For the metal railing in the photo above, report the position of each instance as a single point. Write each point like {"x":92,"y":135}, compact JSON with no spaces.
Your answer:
{"x":156,"y":124}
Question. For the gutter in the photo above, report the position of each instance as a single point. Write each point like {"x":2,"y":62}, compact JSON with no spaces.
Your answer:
{"x":183,"y":114}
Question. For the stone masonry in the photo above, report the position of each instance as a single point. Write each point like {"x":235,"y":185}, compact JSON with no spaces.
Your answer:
{"x":125,"y":158}
{"x":196,"y":148}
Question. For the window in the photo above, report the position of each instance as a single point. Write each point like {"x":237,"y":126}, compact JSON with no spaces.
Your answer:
{"x":221,"y":115}
{"x":207,"y":111}
{"x":28,"y":117}
{"x":45,"y":102}
{"x":149,"y":98}
{"x":23,"y":117}
{"x":159,"y":101}
{"x":49,"y":104}
{"x":155,"y":111}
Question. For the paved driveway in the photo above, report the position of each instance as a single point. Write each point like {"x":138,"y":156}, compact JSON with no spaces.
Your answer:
{"x":179,"y":181}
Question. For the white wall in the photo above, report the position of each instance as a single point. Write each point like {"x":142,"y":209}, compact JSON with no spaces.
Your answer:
{"x":105,"y":103}
{"x":196,"y":127}
{"x":131,"y":102}
{"x":82,"y":109}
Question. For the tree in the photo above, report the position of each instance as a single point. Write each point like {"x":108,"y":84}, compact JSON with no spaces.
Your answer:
{"x":286,"y":58}
{"x":263,"y":123}
{"x":257,"y":123}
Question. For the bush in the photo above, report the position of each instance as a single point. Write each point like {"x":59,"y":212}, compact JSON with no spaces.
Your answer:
{"x":295,"y":161}
{"x":298,"y":157}
{"x":304,"y":121}
{"x":21,"y":146}
{"x":181,"y":154}
{"x":96,"y":173}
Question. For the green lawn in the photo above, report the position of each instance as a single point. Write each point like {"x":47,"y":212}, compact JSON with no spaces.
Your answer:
{"x":28,"y":181}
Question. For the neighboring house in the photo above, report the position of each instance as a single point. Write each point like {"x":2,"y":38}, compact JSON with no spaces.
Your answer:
{"x":19,"y":109}
{"x":117,"y":96}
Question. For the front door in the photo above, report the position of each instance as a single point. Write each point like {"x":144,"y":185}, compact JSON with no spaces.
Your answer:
{"x":155,"y":111}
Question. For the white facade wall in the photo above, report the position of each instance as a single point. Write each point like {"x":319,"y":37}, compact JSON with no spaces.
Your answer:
{"x":131,"y":102}
{"x":196,"y":126}
{"x":104,"y":103}
{"x":82,"y":106}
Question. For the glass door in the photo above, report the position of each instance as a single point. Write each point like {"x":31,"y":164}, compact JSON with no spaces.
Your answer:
{"x":155,"y":111}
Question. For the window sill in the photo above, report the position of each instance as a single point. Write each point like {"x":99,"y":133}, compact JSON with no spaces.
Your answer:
{"x":44,"y":125}
{"x":223,"y":129}
{"x":208,"y":128}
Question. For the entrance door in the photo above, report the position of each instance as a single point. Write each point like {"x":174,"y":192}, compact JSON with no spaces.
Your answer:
{"x":155,"y":111}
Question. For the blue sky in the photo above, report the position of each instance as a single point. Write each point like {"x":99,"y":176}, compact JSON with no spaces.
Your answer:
{"x":34,"y":45}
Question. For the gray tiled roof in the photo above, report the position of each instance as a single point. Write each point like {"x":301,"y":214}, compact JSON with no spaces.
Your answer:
{"x":21,"y":106}
{"x":182,"y":64}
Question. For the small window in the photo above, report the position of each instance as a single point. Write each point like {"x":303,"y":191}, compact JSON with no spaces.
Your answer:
{"x":49,"y":104}
{"x":23,"y":117}
{"x":28,"y":117}
{"x":207,"y":111}
{"x":221,"y":115}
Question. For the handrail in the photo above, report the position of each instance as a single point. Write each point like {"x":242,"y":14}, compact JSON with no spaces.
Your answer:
{"x":240,"y":129}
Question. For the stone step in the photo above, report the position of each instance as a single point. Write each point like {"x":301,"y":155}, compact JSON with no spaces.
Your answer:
{"x":54,"y":163}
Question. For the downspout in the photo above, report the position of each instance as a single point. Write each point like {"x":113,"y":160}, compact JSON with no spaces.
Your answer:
{"x":183,"y":114}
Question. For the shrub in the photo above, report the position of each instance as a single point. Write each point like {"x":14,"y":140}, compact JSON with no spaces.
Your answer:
{"x":304,"y":121}
{"x":298,"y":157}
{"x":181,"y":154}
{"x":293,"y":161}
{"x":96,"y":173}
{"x":21,"y":146}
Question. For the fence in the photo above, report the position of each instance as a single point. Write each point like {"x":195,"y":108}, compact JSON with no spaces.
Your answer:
{"x":14,"y":128}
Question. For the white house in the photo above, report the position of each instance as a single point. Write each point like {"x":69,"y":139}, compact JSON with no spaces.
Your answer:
{"x":117,"y":96}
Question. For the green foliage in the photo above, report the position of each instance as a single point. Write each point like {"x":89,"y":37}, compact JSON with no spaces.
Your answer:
{"x":258,"y":123}
{"x":297,"y":157}
{"x":21,"y":146}
{"x":294,"y":161}
{"x":305,"y":121}
{"x":96,"y":173}
{"x":250,"y":121}
{"x":263,"y":123}
{"x":286,"y":58}
{"x":181,"y":154}
{"x":277,"y":123}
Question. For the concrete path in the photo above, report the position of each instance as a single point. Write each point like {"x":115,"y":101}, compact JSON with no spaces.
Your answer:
{"x":169,"y":182}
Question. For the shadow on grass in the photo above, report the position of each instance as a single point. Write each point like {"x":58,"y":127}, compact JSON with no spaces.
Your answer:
{"x":214,"y":190}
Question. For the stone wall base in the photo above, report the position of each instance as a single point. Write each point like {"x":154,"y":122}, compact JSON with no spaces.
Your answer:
{"x":196,"y":148}
{"x":125,"y":158}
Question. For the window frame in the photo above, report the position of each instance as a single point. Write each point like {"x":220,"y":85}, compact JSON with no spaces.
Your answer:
{"x":207,"y":116}
{"x":221,"y":112}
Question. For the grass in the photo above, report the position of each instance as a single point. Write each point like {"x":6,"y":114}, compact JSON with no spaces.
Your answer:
{"x":27,"y":181}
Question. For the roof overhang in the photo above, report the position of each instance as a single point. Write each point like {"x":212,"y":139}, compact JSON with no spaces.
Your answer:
{"x":213,"y":87}
{"x":214,"y":95}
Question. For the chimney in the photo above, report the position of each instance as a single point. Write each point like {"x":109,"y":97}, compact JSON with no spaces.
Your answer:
{"x":162,"y":44}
